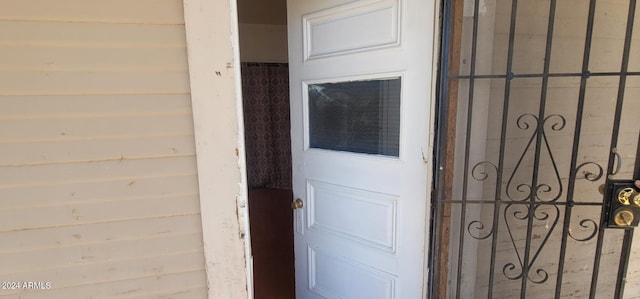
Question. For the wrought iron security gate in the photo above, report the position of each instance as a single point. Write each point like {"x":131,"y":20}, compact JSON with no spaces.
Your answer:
{"x":538,"y":133}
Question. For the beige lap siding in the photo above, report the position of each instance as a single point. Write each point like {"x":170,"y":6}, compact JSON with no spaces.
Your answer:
{"x":98,"y":179}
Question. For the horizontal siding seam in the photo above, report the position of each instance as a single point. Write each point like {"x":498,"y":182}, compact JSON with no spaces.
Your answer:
{"x":130,"y":179}
{"x":195,"y":234}
{"x":92,"y":116}
{"x":65,"y":223}
{"x":94,"y":21}
{"x":99,"y":222}
{"x":120,"y":158}
{"x":102,"y":201}
{"x":92,"y":45}
{"x":93,"y":70}
{"x":163,"y":294}
{"x":181,"y":218}
{"x":124,"y":93}
{"x":92,"y":138}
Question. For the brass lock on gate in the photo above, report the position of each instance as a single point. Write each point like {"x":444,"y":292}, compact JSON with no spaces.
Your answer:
{"x":629,"y":196}
{"x":622,"y":205}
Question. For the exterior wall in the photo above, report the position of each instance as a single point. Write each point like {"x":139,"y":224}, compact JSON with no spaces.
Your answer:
{"x":98,"y":177}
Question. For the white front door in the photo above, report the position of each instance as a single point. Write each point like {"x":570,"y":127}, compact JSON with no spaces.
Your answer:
{"x":361,"y":98}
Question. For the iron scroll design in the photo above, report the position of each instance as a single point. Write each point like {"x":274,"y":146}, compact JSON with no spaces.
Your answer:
{"x":510,"y":270}
{"x":528,"y":191}
{"x":525,"y":203}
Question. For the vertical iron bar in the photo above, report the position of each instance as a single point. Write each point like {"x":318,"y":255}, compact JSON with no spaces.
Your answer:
{"x":465,"y":180}
{"x":539,"y":137}
{"x":636,"y":169}
{"x":624,"y":262}
{"x":628,"y":237}
{"x":598,"y":254}
{"x":503,"y":134}
{"x":636,"y":176}
{"x":576,"y":145}
{"x":614,"y":136}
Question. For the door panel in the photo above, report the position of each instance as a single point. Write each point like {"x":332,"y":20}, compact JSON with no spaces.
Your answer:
{"x":361,"y":26}
{"x":376,"y":228}
{"x":545,"y":121}
{"x":361,"y":76}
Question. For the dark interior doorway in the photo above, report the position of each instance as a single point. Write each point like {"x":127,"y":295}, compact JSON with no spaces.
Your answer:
{"x":265,"y":88}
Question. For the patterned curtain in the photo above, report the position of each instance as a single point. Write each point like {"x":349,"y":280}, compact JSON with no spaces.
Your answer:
{"x":265,"y":91}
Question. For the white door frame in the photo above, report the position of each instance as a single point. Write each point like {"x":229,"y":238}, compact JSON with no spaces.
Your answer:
{"x":214,"y":74}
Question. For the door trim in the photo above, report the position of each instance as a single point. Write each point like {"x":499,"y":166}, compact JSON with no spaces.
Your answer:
{"x":445,"y":135}
{"x":214,"y":75}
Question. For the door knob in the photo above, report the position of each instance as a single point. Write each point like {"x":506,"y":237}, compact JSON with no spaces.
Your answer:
{"x":297,"y":204}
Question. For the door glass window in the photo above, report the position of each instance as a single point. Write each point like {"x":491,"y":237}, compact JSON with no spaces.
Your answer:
{"x":356,"y":116}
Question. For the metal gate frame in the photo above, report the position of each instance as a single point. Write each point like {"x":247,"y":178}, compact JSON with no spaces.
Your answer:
{"x":447,"y":93}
